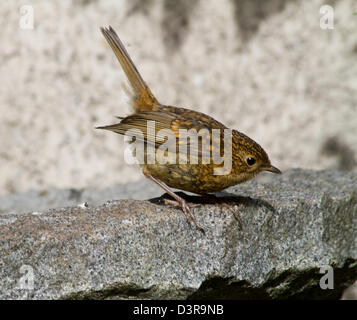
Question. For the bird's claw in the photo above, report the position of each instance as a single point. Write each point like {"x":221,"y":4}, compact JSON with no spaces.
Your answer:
{"x":186,"y":210}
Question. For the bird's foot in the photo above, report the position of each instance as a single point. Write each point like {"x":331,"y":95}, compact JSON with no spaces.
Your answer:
{"x":186,"y":210}
{"x":212,"y":199}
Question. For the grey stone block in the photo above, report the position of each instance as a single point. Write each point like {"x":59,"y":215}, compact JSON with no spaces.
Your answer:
{"x":292,"y":225}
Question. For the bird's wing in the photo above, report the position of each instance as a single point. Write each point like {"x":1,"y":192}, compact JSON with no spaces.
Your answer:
{"x":167,"y":127}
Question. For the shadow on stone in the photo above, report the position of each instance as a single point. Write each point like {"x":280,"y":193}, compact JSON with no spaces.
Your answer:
{"x":218,"y":198}
{"x":250,"y":14}
{"x":293,"y":284}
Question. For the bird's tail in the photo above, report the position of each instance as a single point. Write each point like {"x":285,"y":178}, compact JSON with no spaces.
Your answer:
{"x":143,"y":99}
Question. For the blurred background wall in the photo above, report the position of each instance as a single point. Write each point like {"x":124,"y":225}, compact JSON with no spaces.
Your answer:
{"x":266,"y":68}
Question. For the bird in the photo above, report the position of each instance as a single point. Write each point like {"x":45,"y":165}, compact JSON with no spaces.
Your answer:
{"x":171,"y":161}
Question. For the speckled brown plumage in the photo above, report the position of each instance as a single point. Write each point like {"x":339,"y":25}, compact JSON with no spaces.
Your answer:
{"x":248,"y":157}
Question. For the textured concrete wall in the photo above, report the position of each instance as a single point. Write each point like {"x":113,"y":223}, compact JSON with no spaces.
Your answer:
{"x":262,"y":67}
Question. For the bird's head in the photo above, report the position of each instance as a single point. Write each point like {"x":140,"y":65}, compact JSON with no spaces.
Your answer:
{"x":248,"y":157}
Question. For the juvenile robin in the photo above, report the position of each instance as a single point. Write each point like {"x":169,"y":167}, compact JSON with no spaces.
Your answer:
{"x":198,"y":171}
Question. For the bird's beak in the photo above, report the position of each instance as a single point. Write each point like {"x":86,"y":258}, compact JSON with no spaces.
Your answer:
{"x":272,"y":169}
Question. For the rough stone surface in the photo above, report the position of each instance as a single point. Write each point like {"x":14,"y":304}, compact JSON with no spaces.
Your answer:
{"x":292,"y":225}
{"x":54,"y":198}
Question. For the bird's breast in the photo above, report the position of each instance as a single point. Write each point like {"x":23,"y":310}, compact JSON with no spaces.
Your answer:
{"x":196,"y":178}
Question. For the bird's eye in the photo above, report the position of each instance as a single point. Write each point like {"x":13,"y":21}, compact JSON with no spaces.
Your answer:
{"x":250,"y":161}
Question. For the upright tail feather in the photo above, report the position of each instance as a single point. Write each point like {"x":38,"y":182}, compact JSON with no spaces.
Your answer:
{"x":143,"y":98}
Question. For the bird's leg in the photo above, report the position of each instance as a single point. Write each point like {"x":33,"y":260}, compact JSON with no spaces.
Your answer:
{"x":178,"y":200}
